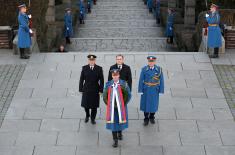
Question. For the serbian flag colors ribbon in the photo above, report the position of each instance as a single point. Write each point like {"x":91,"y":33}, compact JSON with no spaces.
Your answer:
{"x":115,"y":101}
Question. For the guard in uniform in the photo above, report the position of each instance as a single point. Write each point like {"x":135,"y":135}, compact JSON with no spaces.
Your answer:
{"x":91,"y":85}
{"x":89,"y":4}
{"x":214,"y":31}
{"x":82,"y":11}
{"x":150,"y":5}
{"x":151,"y":83}
{"x":116,"y":96}
{"x":124,"y":70}
{"x":157,"y":11}
{"x":169,"y":26}
{"x":24,"y":38}
{"x":68,"y":25}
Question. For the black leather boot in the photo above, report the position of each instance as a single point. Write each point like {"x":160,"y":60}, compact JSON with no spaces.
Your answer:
{"x":115,"y":139}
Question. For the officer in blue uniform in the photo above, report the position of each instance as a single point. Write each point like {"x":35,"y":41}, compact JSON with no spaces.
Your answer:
{"x":68,"y":25}
{"x":169,"y":26}
{"x":116,"y":96}
{"x":151,"y":84}
{"x":24,"y":38}
{"x":89,"y":4}
{"x":157,"y":11}
{"x":214,"y":32}
{"x":82,"y":11}
{"x":150,"y":5}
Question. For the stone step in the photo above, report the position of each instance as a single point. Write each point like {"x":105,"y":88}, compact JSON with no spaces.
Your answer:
{"x":118,"y":44}
{"x":121,"y":16}
{"x":114,"y":3}
{"x":120,"y":11}
{"x":119,"y":23}
{"x":119,"y":32}
{"x":119,"y":6}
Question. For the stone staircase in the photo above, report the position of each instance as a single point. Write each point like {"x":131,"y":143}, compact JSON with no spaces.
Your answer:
{"x":119,"y":25}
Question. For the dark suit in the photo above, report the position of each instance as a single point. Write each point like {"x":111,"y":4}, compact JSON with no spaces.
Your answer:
{"x":125,"y":74}
{"x":91,"y":84}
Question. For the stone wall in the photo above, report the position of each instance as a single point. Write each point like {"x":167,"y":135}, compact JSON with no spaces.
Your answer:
{"x":9,"y":13}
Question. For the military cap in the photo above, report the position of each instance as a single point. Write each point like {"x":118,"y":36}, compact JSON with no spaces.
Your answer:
{"x":214,"y":6}
{"x":22,"y":6}
{"x":115,"y":71}
{"x":91,"y":56}
{"x":151,"y":58}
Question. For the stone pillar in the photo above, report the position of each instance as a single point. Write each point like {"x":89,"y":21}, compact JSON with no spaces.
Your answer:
{"x":50,"y":15}
{"x":171,"y":3}
{"x":189,"y":13}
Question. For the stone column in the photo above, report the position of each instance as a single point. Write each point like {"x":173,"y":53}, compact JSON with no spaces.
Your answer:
{"x":189,"y":13}
{"x":50,"y":15}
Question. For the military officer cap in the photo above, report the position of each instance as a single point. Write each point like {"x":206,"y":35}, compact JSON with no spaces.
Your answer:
{"x":151,"y":58}
{"x":91,"y":57}
{"x":214,"y":6}
{"x":68,"y":9}
{"x":22,"y":6}
{"x":115,"y":71}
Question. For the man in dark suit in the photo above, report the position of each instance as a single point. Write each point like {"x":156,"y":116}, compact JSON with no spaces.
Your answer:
{"x":125,"y":70}
{"x":91,"y":85}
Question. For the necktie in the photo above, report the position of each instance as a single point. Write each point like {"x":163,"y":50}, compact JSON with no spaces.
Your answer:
{"x":119,"y":67}
{"x":91,"y":67}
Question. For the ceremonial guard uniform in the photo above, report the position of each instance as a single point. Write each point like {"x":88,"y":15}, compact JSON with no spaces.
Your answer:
{"x":82,"y":11}
{"x":116,"y":96}
{"x":68,"y":25}
{"x":89,"y":4}
{"x":157,"y":11}
{"x":24,"y":38}
{"x":124,"y":71}
{"x":150,"y":5}
{"x":151,"y":83}
{"x":214,"y":31}
{"x":169,"y":26}
{"x":91,"y":84}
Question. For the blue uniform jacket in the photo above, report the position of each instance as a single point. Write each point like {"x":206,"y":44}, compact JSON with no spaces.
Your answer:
{"x":169,"y":25}
{"x":150,"y":4}
{"x":157,"y":11}
{"x":150,"y":97}
{"x":214,"y":32}
{"x":24,"y":39}
{"x":81,"y":9}
{"x":116,"y":126}
{"x":68,"y":25}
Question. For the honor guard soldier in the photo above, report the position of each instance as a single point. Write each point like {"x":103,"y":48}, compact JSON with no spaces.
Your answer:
{"x":151,"y":83}
{"x":82,"y":11}
{"x":24,"y":38}
{"x":214,"y":32}
{"x":91,"y":85}
{"x":116,"y":96}
{"x":68,"y":25}
{"x":157,"y":11}
{"x":169,"y":26}
{"x":124,"y":70}
{"x":150,"y":5}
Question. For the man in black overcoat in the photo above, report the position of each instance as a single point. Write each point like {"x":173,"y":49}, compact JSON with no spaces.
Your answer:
{"x":125,"y":70}
{"x":91,"y":85}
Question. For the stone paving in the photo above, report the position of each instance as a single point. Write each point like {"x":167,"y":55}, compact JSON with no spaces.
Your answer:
{"x":45,"y":116}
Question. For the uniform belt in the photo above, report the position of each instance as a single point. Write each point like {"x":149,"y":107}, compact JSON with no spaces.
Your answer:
{"x":213,"y":24}
{"x":151,"y":83}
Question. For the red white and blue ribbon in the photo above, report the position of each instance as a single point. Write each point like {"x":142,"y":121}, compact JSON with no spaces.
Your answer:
{"x":115,"y":96}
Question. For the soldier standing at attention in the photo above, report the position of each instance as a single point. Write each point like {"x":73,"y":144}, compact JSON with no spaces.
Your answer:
{"x":68,"y":25}
{"x":91,"y":85}
{"x":124,"y":70}
{"x":151,"y":83}
{"x":116,"y":96}
{"x":169,"y":26}
{"x":158,"y":9}
{"x":214,"y":32}
{"x":24,"y":38}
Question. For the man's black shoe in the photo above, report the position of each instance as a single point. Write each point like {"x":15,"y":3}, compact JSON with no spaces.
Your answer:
{"x":152,"y":121}
{"x":93,"y":122}
{"x":86,"y":119}
{"x":146,"y":122}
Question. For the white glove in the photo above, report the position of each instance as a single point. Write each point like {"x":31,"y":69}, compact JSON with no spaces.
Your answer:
{"x":141,"y":93}
{"x":30,"y":16}
{"x":67,"y":28}
{"x":170,"y":28}
{"x":207,"y":15}
{"x":31,"y":31}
